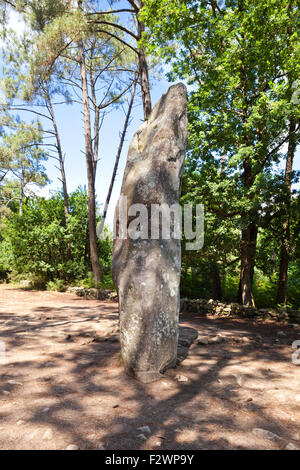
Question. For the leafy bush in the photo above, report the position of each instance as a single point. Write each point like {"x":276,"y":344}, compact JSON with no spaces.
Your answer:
{"x":39,"y":246}
{"x":56,"y":285}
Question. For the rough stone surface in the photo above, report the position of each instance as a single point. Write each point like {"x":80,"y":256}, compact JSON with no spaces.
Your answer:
{"x":94,"y":294}
{"x":265,"y":434}
{"x":291,"y":446}
{"x":144,"y":429}
{"x":146,"y":272}
{"x":186,"y":338}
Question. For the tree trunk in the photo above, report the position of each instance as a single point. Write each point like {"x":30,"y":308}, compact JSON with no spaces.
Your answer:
{"x":21,"y":191}
{"x":285,"y":247}
{"x":217,"y":287}
{"x":283,"y":269}
{"x":90,"y":168}
{"x":62,"y":169}
{"x":249,"y":233}
{"x":248,"y":250}
{"x":96,"y":126}
{"x":61,"y":160}
{"x":143,"y":72}
{"x":117,"y":160}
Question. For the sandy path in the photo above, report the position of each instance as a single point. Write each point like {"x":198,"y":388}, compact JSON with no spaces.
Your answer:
{"x":62,"y":384}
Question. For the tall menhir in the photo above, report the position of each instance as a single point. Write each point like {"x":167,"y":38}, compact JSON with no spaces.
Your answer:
{"x":146,"y":272}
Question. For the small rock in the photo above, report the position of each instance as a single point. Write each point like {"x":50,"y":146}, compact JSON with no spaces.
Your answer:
{"x":48,"y":434}
{"x":281,"y":333}
{"x":45,"y":410}
{"x":295,"y":437}
{"x":68,"y":337}
{"x":142,"y":436}
{"x":20,"y":422}
{"x":245,"y":339}
{"x":239,"y":379}
{"x":265,"y":434}
{"x":101,"y":447}
{"x":181,"y":378}
{"x":203,"y":341}
{"x":6,"y":392}
{"x":216,"y":339}
{"x":291,"y":446}
{"x":165,"y":384}
{"x":72,"y":447}
{"x":14,"y":382}
{"x":113,"y":340}
{"x":49,"y":364}
{"x":144,"y":429}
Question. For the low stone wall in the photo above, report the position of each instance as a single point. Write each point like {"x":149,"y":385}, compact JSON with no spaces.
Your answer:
{"x":96,"y":294}
{"x":210,"y":307}
{"x":235,"y":310}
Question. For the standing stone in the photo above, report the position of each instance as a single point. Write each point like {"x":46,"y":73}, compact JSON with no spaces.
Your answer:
{"x":146,"y":271}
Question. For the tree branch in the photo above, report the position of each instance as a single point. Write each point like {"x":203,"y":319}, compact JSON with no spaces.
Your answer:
{"x":29,"y":111}
{"x":117,"y":97}
{"x":119,"y":39}
{"x":110,"y":12}
{"x":134,"y":6}
{"x":118,"y":26}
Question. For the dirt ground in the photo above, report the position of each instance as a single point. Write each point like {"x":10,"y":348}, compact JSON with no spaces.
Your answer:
{"x":61,"y":382}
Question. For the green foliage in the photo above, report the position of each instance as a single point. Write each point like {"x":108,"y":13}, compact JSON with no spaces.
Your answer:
{"x":89,"y":282}
{"x":240,"y":60}
{"x":5,"y":256}
{"x":37,"y":244}
{"x":56,"y":285}
{"x":197,"y":283}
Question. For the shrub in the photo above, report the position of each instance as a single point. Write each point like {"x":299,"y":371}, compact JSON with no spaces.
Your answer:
{"x":56,"y":285}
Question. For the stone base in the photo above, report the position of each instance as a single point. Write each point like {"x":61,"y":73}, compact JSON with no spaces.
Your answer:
{"x":149,"y":376}
{"x":145,"y":377}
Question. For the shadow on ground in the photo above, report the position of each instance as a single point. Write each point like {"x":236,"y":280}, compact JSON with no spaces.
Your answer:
{"x":62,"y":382}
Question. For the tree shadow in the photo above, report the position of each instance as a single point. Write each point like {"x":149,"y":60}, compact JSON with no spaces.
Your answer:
{"x":90,"y":401}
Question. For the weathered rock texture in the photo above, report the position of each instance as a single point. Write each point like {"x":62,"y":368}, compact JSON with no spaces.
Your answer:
{"x":146,"y":272}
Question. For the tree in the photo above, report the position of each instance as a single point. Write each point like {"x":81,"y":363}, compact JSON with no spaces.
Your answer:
{"x":242,"y":69}
{"x":67,"y":27}
{"x":100,"y":20}
{"x":26,"y":157}
{"x":288,"y":177}
{"x":68,"y":38}
{"x":286,"y":239}
{"x":37,"y":242}
{"x":25,"y":91}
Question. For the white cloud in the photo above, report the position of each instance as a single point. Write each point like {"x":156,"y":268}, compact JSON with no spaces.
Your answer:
{"x":16,"y":23}
{"x":33,"y":188}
